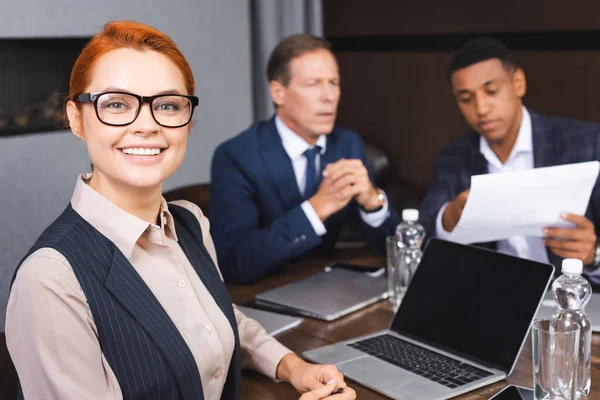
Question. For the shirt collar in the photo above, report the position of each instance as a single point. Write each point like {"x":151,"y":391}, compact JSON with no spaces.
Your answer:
{"x":116,"y":224}
{"x":523,"y":144}
{"x":167,"y":223}
{"x":293,"y":144}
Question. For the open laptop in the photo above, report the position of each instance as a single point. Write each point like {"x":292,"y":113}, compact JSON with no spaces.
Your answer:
{"x":592,"y":309}
{"x":327,"y":295}
{"x":460,"y":326}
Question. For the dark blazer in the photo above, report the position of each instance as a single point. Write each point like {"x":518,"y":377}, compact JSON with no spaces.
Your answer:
{"x":143,"y":347}
{"x":556,"y":141}
{"x":257,"y":222}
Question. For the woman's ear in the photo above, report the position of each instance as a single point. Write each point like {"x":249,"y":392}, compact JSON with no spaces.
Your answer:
{"x":74,"y":116}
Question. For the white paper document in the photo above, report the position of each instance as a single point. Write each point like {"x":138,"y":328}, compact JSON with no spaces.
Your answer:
{"x":523,"y":203}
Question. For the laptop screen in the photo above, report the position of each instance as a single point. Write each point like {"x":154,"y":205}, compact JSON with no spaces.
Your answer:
{"x":475,"y":301}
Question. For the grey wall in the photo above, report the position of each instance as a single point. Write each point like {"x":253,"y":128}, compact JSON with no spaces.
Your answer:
{"x":38,"y":172}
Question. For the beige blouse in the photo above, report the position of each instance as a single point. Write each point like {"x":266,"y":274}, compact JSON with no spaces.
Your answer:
{"x":50,"y":331}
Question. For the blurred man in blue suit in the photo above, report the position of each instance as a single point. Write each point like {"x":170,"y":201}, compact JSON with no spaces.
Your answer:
{"x":489,"y":87}
{"x":285,"y":187}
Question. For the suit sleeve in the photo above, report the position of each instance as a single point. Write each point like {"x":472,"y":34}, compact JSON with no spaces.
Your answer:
{"x":51,"y":335}
{"x":374,"y":236}
{"x":439,"y":193}
{"x":593,"y":214}
{"x":246,"y":250}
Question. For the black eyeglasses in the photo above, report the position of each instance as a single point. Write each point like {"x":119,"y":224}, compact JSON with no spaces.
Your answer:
{"x":122,"y":108}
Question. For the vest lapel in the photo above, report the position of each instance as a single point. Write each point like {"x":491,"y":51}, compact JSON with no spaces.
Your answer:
{"x":126,"y":285}
{"x":206,"y":270}
{"x":190,"y":234}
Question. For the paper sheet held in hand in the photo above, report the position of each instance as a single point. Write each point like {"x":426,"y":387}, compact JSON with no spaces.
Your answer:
{"x":508,"y":204}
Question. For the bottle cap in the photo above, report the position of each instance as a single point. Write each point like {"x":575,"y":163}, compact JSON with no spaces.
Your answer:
{"x":572,"y":266}
{"x":410,"y":214}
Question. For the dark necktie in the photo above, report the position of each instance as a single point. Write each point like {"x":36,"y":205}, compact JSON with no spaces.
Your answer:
{"x":312,"y":180}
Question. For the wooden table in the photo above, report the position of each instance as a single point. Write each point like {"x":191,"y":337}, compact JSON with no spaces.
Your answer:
{"x":314,"y":333}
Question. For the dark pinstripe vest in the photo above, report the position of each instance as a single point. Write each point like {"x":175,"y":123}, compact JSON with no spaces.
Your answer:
{"x":140,"y":342}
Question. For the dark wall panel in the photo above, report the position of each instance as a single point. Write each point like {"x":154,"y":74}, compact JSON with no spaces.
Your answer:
{"x":402,"y":102}
{"x":396,"y":17}
{"x":394,"y":56}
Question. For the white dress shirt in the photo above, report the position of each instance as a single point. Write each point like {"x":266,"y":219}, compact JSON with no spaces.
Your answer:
{"x":295,"y":147}
{"x":520,"y":158}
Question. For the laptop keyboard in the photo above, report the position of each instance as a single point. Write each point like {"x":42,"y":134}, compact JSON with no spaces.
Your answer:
{"x":418,"y":360}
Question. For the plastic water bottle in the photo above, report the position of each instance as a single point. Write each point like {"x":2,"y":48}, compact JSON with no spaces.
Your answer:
{"x":572,"y":292}
{"x":409,"y":235}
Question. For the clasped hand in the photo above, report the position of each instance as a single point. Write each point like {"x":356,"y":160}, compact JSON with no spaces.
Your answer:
{"x":343,"y":181}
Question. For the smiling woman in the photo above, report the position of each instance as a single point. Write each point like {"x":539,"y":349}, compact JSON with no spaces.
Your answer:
{"x":110,"y":115}
{"x":121,"y":296}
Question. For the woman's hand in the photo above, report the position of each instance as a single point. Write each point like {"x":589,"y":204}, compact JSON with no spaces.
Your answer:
{"x":305,"y":377}
{"x":324,"y":393}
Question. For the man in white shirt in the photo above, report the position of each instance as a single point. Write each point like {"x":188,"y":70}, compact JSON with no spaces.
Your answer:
{"x":285,"y":187}
{"x":489,"y":87}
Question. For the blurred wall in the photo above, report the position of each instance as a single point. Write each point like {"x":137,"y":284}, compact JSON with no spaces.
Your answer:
{"x":38,"y":172}
{"x":394,"y":57}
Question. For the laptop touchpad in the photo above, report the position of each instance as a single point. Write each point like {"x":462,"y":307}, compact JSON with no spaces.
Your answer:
{"x":335,"y":354}
{"x":388,"y":378}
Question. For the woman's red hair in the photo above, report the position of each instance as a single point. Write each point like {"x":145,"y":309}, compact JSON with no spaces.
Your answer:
{"x":131,"y":35}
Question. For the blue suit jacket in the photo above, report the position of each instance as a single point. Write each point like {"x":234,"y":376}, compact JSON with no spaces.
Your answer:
{"x":257,"y":222}
{"x":556,"y":141}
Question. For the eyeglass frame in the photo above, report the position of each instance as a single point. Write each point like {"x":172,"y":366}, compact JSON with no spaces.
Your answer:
{"x":92,"y":97}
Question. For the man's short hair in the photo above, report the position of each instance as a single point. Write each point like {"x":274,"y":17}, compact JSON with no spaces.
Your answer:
{"x":290,"y":47}
{"x":481,"y":49}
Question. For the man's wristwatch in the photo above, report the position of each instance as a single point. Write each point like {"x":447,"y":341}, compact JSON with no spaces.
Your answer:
{"x":596,"y":262}
{"x":380,"y":198}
